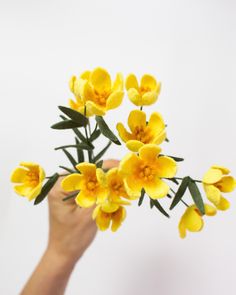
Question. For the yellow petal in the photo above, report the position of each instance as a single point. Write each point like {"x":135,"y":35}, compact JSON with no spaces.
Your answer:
{"x":103,"y":220}
{"x":210,"y":210}
{"x":160,"y":138}
{"x":85,"y":200}
{"x":23,"y":190}
{"x":192,"y":220}
{"x":118,"y":84}
{"x":131,"y":82}
{"x":226,"y":184}
{"x":149,"y":98}
{"x":96,"y":211}
{"x":71,"y":83}
{"x":114,"y":100}
{"x":100,"y":79}
{"x":223,"y":204}
{"x":182,"y":229}
{"x":101,"y":194}
{"x":101,"y":176}
{"x":224,"y":170}
{"x":129,"y":164}
{"x":29,"y":165}
{"x":117,"y":218}
{"x":42,"y":174}
{"x":87,"y":168}
{"x":85,"y":75}
{"x":109,"y":207}
{"x":136,"y":119}
{"x":156,"y":124}
{"x":166,"y":167}
{"x":212,"y":176}
{"x":72,"y":182}
{"x":123,"y":133}
{"x":135,"y":97}
{"x":18,"y":175}
{"x":149,"y":152}
{"x":134,"y":145}
{"x":94,"y":109}
{"x":34,"y":192}
{"x":156,"y":189}
{"x":212,"y":193}
{"x":149,"y":81}
{"x":87,"y":92}
{"x":73,"y":105}
{"x":133,"y":187}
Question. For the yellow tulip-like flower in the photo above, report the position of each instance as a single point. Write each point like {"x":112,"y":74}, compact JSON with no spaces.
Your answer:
{"x":145,"y":94}
{"x":29,"y":179}
{"x":91,"y":183}
{"x":145,"y":170}
{"x":192,"y":219}
{"x":96,"y":91}
{"x":215,"y":181}
{"x":104,"y":219}
{"x":142,"y":132}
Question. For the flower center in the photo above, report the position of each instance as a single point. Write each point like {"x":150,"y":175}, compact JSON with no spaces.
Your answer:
{"x":117,"y":187}
{"x":144,"y":89}
{"x":146,"y":173}
{"x":91,"y":184}
{"x":101,"y":97}
{"x":142,"y":134}
{"x":32,"y":178}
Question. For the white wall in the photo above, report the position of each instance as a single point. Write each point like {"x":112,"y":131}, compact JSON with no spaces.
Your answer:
{"x":190,"y":46}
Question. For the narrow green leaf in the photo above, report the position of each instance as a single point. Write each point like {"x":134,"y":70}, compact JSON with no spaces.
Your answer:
{"x":95,"y":135}
{"x":75,"y":116}
{"x":177,"y":159}
{"x":180,"y":192}
{"x":196,"y":195}
{"x":82,"y":146}
{"x":140,"y":201}
{"x":70,"y":157}
{"x":68,"y":169}
{"x":46,"y":189}
{"x":102,"y":152}
{"x":70,"y":197}
{"x":160,"y":208}
{"x":106,"y":131}
{"x":76,"y":131}
{"x":99,"y":164}
{"x":80,"y":153}
{"x":151,"y":203}
{"x":67,"y":124}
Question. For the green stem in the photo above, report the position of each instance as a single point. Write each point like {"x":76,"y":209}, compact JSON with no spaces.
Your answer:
{"x":180,"y":178}
{"x":141,"y":108}
{"x":87,"y":138}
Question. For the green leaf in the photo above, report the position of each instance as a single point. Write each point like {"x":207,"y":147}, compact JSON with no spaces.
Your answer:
{"x":106,"y":131}
{"x":177,"y":159}
{"x":80,"y":153}
{"x":70,"y":157}
{"x":180,"y":192}
{"x":68,"y":169}
{"x":75,"y":116}
{"x":196,"y":195}
{"x":99,"y":164}
{"x":140,"y":201}
{"x":95,"y":135}
{"x":70,"y":197}
{"x":76,"y":131}
{"x":160,"y":208}
{"x":151,"y":203}
{"x":102,"y":152}
{"x":67,"y":124}
{"x":46,"y":188}
{"x":82,"y":146}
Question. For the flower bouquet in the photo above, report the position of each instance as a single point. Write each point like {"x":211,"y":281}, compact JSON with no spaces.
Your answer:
{"x":145,"y":172}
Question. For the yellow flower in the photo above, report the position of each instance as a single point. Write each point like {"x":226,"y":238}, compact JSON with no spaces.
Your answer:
{"x":146,"y":170}
{"x":215,"y":181}
{"x":103,"y":219}
{"x":145,"y":94}
{"x":98,"y":93}
{"x":91,"y":182}
{"x":30,"y":179}
{"x":192,"y":219}
{"x":141,"y":131}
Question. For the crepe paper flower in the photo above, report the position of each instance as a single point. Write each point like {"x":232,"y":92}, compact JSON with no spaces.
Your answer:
{"x":29,"y":178}
{"x":91,"y":183}
{"x":215,"y":181}
{"x":192,"y":219}
{"x":145,"y":94}
{"x":145,"y":170}
{"x":99,"y":93}
{"x":104,"y":219}
{"x":142,"y":132}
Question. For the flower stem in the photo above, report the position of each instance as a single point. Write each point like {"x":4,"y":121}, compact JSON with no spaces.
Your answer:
{"x":180,"y":178}
{"x":87,"y":138}
{"x":141,"y":108}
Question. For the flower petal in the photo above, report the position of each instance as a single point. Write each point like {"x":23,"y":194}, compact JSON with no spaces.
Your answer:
{"x":23,"y":190}
{"x":118,"y":84}
{"x":87,"y":168}
{"x":149,"y":81}
{"x":34,"y":192}
{"x":224,"y":170}
{"x":129,"y":164}
{"x":114,"y":100}
{"x":109,"y":207}
{"x":166,"y":167}
{"x":29,"y":165}
{"x":136,"y":119}
{"x":101,"y":176}
{"x":156,"y":189}
{"x":72,"y":182}
{"x":85,"y":75}
{"x":131,"y":82}
{"x":101,"y":194}
{"x":149,"y":98}
{"x":117,"y":218}
{"x":103,"y":220}
{"x":192,"y":220}
{"x":18,"y":175}
{"x":212,"y":176}
{"x":85,"y":200}
{"x":223,"y":204}
{"x":133,"y":187}
{"x":212,"y":193}
{"x":182,"y":229}
{"x":100,"y":79}
{"x":135,"y":97}
{"x":134,"y":145}
{"x":149,"y":152}
{"x":210,"y":210}
{"x":123,"y":133}
{"x":226,"y":184}
{"x":156,"y":124}
{"x":160,"y":138}
{"x":94,"y":109}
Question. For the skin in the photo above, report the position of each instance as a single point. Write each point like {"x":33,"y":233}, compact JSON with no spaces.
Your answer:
{"x":71,"y":231}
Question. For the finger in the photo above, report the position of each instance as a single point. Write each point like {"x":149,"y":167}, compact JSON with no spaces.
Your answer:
{"x":111,"y":163}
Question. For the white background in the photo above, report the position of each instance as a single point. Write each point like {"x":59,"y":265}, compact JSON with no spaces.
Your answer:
{"x":190,"y":46}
